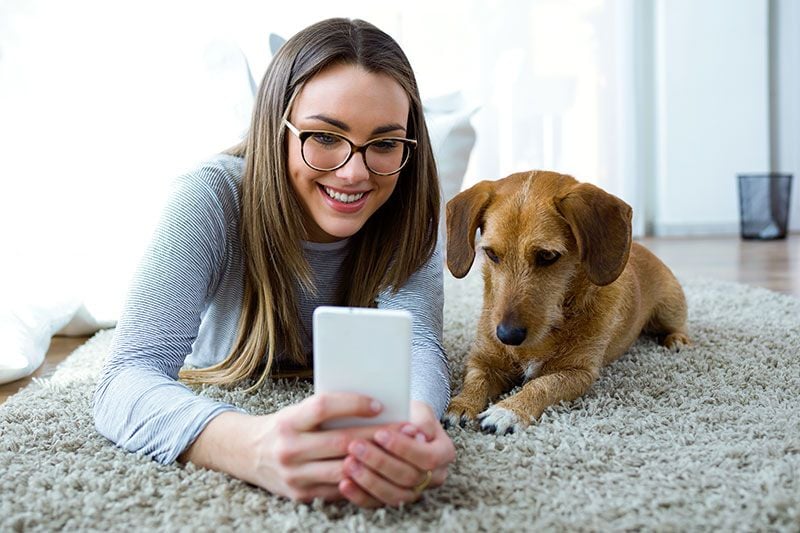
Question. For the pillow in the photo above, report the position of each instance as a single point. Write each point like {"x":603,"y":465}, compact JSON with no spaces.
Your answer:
{"x":452,"y":139}
{"x":26,"y":326}
{"x":85,"y":288}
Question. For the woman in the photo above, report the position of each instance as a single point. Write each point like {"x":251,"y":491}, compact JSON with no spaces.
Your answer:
{"x":332,"y":198}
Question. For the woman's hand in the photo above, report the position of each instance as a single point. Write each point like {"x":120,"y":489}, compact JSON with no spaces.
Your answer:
{"x":393,"y":467}
{"x":285,"y":452}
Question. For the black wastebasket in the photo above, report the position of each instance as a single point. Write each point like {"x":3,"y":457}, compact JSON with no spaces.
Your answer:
{"x":764,"y":205}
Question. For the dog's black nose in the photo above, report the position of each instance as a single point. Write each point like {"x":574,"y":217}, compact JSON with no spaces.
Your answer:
{"x":510,"y":335}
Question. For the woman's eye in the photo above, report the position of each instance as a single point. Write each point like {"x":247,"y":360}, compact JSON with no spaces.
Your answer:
{"x":546,"y":257}
{"x":491,"y":255}
{"x":325,"y":139}
{"x":385,"y":145}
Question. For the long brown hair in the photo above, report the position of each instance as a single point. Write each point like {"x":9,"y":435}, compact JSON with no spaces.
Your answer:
{"x":395,"y":242}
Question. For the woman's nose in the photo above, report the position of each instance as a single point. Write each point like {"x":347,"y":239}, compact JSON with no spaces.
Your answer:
{"x":355,"y":170}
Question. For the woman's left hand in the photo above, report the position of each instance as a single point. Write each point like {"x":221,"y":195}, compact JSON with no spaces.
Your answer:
{"x":398,"y":465}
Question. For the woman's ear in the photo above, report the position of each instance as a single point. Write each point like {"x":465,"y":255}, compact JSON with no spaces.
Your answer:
{"x":464,"y":216}
{"x":601,"y":224}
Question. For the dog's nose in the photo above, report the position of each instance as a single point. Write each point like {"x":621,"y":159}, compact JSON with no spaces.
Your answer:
{"x":510,"y":335}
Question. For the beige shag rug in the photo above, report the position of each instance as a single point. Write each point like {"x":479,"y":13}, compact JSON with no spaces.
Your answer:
{"x":708,"y":439}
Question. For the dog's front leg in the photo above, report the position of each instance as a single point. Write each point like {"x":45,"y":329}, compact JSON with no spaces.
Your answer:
{"x":485,"y":379}
{"x":554,"y":385}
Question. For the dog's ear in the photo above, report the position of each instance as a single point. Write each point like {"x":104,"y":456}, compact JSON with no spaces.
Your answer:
{"x":601,"y":224}
{"x":464,"y":217}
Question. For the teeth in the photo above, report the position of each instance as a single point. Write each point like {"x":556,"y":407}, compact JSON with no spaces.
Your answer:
{"x":344,"y":198}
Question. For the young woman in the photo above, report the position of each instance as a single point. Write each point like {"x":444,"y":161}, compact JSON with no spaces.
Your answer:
{"x":332,"y":198}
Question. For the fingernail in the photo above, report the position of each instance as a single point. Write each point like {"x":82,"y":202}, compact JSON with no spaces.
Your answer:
{"x":420,"y":437}
{"x":382,"y":436}
{"x":409,"y":430}
{"x":359,"y":449}
{"x":376,"y":406}
{"x":354,"y":467}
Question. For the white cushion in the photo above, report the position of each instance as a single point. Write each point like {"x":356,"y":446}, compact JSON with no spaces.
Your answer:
{"x":26,"y":327}
{"x":70,"y":274}
{"x":452,"y":138}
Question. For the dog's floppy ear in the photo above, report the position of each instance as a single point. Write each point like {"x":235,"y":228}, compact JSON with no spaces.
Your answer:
{"x":601,"y":224}
{"x":464,"y":217}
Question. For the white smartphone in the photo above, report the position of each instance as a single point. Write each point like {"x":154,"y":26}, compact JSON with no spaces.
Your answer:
{"x":367,"y":351}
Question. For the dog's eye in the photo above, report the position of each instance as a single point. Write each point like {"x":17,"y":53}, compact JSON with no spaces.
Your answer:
{"x":546,"y":257}
{"x":491,"y":255}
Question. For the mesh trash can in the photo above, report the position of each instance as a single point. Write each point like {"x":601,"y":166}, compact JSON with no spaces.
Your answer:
{"x":764,"y":205}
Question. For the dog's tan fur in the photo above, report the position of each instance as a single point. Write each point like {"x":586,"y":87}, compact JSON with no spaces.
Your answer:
{"x":578,"y":314}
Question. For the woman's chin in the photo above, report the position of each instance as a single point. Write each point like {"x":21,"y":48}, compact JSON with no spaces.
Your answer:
{"x":335,"y":231}
{"x":340,"y":232}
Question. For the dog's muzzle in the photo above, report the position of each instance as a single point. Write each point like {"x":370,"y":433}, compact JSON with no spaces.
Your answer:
{"x":511,"y":335}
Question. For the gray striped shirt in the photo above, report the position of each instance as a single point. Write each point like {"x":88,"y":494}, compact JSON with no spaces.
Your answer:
{"x":184,"y":304}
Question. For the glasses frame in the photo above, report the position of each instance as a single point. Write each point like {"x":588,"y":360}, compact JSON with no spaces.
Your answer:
{"x":303,"y":135}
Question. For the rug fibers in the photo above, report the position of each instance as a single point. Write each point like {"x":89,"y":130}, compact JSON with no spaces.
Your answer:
{"x":706,"y":439}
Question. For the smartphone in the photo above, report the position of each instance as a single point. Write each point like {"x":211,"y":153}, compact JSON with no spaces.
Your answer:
{"x":364,"y":350}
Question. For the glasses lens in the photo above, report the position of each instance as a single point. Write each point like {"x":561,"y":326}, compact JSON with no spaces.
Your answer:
{"x":386,"y":156}
{"x":325,"y":151}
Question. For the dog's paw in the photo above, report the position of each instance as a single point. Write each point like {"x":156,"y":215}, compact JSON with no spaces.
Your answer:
{"x":500,"y":421}
{"x":460,"y":412}
{"x":675,"y":341}
{"x":451,"y":419}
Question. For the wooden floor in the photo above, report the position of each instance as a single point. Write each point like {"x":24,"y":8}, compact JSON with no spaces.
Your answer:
{"x":774,"y":265}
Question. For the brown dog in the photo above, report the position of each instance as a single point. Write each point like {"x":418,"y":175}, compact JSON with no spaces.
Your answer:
{"x":565,"y":293}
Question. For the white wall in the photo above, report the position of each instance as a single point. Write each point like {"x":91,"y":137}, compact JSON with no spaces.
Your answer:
{"x":785,"y":112}
{"x":712,"y":110}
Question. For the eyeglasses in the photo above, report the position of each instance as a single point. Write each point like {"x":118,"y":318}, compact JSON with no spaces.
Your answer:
{"x":326,"y":151}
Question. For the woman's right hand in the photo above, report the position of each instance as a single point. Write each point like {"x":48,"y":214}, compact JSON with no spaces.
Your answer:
{"x":285,"y":452}
{"x":296,"y":459}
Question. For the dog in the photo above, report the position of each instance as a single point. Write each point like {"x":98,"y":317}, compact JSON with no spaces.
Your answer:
{"x":565,"y":293}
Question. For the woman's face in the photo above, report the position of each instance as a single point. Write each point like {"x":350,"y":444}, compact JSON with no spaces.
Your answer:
{"x":360,"y":105}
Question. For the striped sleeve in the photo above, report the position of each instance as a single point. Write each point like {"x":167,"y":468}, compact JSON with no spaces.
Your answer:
{"x":423,"y":296}
{"x":138,"y":403}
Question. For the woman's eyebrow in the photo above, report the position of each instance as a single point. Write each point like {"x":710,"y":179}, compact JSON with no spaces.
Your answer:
{"x":387,"y":128}
{"x":344,"y":127}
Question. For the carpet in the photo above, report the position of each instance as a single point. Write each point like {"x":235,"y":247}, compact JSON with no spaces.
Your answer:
{"x":707,"y":439}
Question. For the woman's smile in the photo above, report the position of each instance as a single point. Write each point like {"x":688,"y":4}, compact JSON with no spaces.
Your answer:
{"x":344,"y":201}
